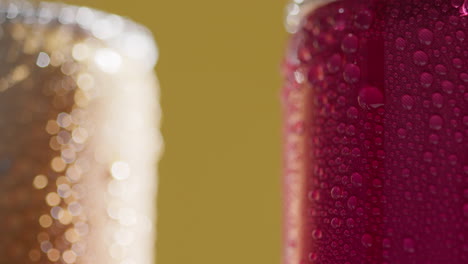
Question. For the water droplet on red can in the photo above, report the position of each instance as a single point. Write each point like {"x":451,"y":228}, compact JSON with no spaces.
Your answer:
{"x":436,"y":122}
{"x":400,"y":44}
{"x":336,"y":192}
{"x":351,"y":73}
{"x":334,"y":63}
{"x":350,"y":43}
{"x":370,"y":97}
{"x":367,"y":240}
{"x":407,"y":101}
{"x":420,"y":58}
{"x":409,"y":245}
{"x":426,"y":79}
{"x":356,"y":179}
{"x":457,"y":3}
{"x":425,"y":36}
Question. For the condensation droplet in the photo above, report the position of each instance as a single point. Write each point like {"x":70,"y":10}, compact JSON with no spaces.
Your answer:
{"x":425,"y":36}
{"x":75,"y":208}
{"x":352,"y":73}
{"x":460,"y":35}
{"x":448,"y":87}
{"x":350,"y":43}
{"x":356,"y":179}
{"x":420,"y":58}
{"x":40,"y":182}
{"x":335,"y":222}
{"x":400,"y":44}
{"x":314,"y":195}
{"x":313,"y":256}
{"x":405,"y":172}
{"x":52,"y":127}
{"x":370,"y":97}
{"x":352,"y":112}
{"x":436,"y":122}
{"x":69,"y":257}
{"x":80,"y":52}
{"x":43,"y":60}
{"x":363,"y":19}
{"x":437,"y":100}
{"x":457,"y":63}
{"x":71,"y":235}
{"x":426,"y":79}
{"x":352,"y":202}
{"x":317,"y":234}
{"x":440,"y":69}
{"x":457,"y":3}
{"x":56,"y":212}
{"x":64,"y":120}
{"x":85,"y":81}
{"x":53,"y":254}
{"x":434,"y":139}
{"x":53,"y":199}
{"x":409,"y":245}
{"x":45,"y":221}
{"x":401,"y":133}
{"x":80,"y":135}
{"x":407,"y":101}
{"x":464,"y":77}
{"x":334,"y":63}
{"x":46,"y":246}
{"x":386,"y":243}
{"x":336,"y":192}
{"x":367,"y":240}
{"x":57,"y":164}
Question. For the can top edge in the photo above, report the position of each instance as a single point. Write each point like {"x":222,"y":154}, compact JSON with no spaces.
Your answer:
{"x":111,"y":29}
{"x":296,"y":10}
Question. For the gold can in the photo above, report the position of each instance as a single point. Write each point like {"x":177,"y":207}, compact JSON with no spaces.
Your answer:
{"x":79,"y":136}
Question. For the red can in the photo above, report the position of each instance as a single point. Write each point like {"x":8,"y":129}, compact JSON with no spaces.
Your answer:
{"x":375,"y":132}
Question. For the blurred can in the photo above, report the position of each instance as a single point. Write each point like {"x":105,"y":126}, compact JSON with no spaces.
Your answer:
{"x":79,"y":137}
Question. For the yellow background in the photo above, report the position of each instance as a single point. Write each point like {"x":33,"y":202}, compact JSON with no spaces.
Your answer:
{"x":219,"y":198}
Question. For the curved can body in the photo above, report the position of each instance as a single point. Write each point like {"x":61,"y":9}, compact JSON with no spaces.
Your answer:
{"x":375,"y":128}
{"x":79,"y":136}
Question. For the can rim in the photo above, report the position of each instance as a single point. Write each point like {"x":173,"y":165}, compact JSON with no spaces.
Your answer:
{"x":113,"y":30}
